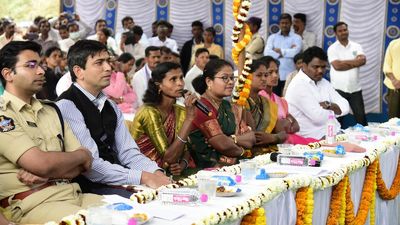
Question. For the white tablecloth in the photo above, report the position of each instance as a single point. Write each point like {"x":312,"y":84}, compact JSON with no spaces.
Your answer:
{"x":282,"y":209}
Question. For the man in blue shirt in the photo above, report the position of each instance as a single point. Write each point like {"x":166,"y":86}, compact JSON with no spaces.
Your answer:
{"x":284,"y":45}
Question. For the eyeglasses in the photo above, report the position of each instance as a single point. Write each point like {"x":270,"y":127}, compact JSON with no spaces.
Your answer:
{"x":226,"y":79}
{"x":31,"y":65}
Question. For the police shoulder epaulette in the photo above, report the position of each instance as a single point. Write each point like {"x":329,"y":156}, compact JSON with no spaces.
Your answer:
{"x":3,"y":104}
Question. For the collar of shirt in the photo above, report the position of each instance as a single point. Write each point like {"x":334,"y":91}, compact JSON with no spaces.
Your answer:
{"x":98,"y":101}
{"x":305,"y":77}
{"x":291,"y":33}
{"x":19,"y":105}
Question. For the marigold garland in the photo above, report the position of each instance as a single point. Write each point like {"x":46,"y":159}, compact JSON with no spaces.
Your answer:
{"x":372,"y":207}
{"x":304,"y":205}
{"x":366,"y":197}
{"x":243,"y":85}
{"x":394,"y":190}
{"x":256,"y":217}
{"x":338,"y":202}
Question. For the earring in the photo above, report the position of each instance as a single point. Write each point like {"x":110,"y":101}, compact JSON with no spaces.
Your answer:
{"x":159,"y":91}
{"x":209,"y":87}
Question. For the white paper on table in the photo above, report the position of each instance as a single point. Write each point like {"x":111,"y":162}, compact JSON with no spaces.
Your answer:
{"x":111,"y":199}
{"x":164,"y":213}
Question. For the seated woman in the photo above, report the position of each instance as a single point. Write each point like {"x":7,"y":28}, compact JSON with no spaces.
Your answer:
{"x":161,"y":127}
{"x":283,"y":120}
{"x":119,"y":89}
{"x":221,"y":138}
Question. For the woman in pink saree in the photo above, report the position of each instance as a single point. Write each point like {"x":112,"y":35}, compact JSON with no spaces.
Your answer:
{"x":283,"y":111}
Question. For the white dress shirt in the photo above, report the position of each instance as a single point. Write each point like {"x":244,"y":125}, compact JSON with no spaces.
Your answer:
{"x":304,"y":95}
{"x":309,"y":39}
{"x":190,"y":75}
{"x":111,"y":43}
{"x":170,"y":43}
{"x":348,"y":80}
{"x":140,"y":83}
{"x":137,"y":50}
{"x":63,"y":83}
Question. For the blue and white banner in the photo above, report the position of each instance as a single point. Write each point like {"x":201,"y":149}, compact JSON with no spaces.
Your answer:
{"x":162,"y":10}
{"x":218,"y":23}
{"x":68,"y":6}
{"x":274,"y":11}
{"x":111,"y":14}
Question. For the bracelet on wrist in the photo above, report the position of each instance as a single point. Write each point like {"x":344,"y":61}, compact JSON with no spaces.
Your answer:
{"x":243,"y":151}
{"x":234,"y":138}
{"x":185,"y":161}
{"x":181,"y":139}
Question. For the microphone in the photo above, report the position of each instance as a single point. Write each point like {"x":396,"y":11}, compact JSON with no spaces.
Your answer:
{"x":201,"y":106}
{"x":274,"y":156}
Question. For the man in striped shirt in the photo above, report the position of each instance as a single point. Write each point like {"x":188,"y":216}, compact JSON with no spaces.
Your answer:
{"x":99,"y":125}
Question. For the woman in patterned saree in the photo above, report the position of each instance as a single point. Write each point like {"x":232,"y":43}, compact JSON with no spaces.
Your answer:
{"x":221,"y":138}
{"x":161,"y":127}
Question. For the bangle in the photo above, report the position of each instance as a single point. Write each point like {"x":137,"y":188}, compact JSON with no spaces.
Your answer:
{"x":180,"y":139}
{"x":242,"y":152}
{"x":234,"y":138}
{"x":185,"y":161}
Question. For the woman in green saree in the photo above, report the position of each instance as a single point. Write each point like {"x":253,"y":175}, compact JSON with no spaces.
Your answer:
{"x":219,"y":139}
{"x":161,"y":127}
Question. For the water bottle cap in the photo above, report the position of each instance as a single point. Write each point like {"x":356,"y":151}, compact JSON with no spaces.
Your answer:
{"x":132,"y":221}
{"x":238,"y":178}
{"x":203,"y":198}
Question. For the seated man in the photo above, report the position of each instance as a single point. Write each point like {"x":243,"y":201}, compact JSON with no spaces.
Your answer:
{"x":35,"y":141}
{"x":312,"y":98}
{"x":99,"y":125}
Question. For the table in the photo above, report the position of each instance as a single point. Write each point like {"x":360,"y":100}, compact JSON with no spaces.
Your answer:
{"x":282,"y":208}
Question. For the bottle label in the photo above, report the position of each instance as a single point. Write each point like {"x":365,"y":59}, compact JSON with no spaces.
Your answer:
{"x":330,"y":132}
{"x":177,"y":198}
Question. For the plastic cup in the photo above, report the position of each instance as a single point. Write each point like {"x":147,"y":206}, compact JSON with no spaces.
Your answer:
{"x":249,"y":170}
{"x":99,"y":215}
{"x":207,"y":186}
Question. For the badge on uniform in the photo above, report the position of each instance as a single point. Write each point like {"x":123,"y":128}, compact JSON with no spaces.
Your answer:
{"x":6,"y":124}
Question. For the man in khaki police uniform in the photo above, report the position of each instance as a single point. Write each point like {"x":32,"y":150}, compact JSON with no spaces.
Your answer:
{"x":32,"y":144}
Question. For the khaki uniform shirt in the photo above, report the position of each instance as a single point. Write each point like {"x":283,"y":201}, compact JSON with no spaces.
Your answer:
{"x":22,"y":127}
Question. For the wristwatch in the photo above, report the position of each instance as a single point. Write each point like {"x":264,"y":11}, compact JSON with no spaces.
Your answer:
{"x":328,"y":104}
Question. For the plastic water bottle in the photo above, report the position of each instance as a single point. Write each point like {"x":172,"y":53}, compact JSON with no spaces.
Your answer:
{"x":182,"y":196}
{"x":330,"y":136}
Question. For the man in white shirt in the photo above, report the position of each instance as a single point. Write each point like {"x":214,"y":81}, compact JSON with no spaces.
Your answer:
{"x":161,"y":39}
{"x":127,"y":25}
{"x":346,"y":57}
{"x":111,"y":43}
{"x":312,"y":98}
{"x":299,"y":25}
{"x":131,"y":42}
{"x":201,"y":59}
{"x":141,"y":78}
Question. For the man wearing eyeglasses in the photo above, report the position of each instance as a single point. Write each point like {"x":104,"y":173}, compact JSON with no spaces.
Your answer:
{"x":38,"y":152}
